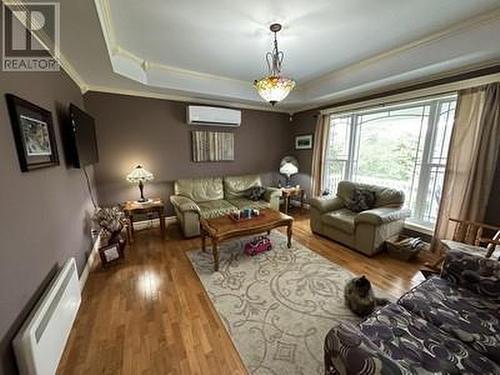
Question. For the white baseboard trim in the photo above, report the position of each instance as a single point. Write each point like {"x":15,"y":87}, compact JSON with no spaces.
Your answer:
{"x":90,"y":262}
{"x":153,"y":223}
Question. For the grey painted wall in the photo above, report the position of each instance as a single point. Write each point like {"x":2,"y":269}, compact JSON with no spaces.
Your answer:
{"x":44,"y":218}
{"x":153,"y":132}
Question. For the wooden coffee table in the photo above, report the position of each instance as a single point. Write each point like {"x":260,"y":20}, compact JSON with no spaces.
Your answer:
{"x":223,"y":228}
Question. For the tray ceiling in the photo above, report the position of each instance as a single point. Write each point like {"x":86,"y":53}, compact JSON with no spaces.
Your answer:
{"x":213,"y":50}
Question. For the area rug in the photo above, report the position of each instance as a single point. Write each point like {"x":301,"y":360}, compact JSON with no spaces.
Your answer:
{"x":277,"y":306}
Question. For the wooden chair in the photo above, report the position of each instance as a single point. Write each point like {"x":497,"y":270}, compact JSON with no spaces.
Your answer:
{"x":471,"y":237}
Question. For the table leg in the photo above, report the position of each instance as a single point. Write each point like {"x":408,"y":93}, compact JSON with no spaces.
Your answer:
{"x":203,"y":241}
{"x":287,"y":203}
{"x":162,"y":222}
{"x":289,"y":236}
{"x":215,"y":253}
{"x":302,"y":199}
{"x":131,"y":226}
{"x":127,"y":228}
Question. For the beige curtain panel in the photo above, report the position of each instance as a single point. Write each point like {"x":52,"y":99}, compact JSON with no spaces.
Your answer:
{"x":472,"y":158}
{"x":319,"y":154}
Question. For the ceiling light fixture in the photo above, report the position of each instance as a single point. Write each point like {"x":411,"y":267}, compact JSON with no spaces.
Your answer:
{"x":274,"y":87}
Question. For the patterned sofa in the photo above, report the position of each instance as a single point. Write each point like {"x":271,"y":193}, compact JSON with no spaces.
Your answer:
{"x":447,"y":325}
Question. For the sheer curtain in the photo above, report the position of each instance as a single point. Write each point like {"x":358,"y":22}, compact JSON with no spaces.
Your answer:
{"x":319,"y":154}
{"x":472,"y":158}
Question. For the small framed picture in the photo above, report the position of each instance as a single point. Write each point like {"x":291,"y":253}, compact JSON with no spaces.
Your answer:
{"x":111,"y":253}
{"x":33,"y":133}
{"x":304,"y":142}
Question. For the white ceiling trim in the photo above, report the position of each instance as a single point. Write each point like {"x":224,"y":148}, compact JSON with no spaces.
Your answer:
{"x":84,"y":87}
{"x":442,"y":89}
{"x":381,"y":86}
{"x":238,"y":93}
{"x":132,"y":66}
{"x":155,"y":74}
{"x":181,"y":98}
{"x":455,"y":29}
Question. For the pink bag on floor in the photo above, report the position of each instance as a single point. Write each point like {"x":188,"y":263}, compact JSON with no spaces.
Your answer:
{"x":258,"y":245}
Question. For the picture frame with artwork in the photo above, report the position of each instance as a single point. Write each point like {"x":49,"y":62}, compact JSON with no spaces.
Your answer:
{"x":111,"y":253}
{"x":304,"y":142}
{"x":212,"y":146}
{"x":33,"y":134}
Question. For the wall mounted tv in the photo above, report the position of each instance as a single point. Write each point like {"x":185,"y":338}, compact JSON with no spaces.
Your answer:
{"x":81,"y":142}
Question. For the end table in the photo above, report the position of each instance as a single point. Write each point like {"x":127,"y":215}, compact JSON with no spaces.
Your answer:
{"x":288,"y":192}
{"x":131,"y":208}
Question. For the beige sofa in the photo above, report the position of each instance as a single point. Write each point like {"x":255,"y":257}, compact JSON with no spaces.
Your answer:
{"x":209,"y":197}
{"x":365,"y":231}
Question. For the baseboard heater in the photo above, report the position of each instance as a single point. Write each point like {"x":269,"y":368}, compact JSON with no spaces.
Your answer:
{"x":40,"y":342}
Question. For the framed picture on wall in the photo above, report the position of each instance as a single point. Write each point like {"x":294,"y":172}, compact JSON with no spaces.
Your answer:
{"x":33,"y":134}
{"x":304,"y":142}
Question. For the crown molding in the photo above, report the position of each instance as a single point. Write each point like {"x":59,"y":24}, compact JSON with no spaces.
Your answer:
{"x":454,"y":29}
{"x":104,"y":12}
{"x":438,"y":84}
{"x":182,"y":98}
{"x":114,"y":49}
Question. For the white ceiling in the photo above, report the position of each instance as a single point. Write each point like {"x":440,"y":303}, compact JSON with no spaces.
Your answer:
{"x":228,"y":38}
{"x":213,"y":50}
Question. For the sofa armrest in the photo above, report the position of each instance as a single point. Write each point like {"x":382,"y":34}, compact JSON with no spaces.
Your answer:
{"x":184,"y":204}
{"x":272,"y":192}
{"x":474,"y":272}
{"x":273,"y":195}
{"x":326,"y":204}
{"x":349,"y":351}
{"x":382,"y":215}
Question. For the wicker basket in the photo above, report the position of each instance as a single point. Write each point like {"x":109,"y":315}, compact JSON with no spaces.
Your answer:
{"x":404,"y":248}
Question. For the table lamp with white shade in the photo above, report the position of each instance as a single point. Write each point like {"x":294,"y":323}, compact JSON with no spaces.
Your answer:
{"x":140,"y":175}
{"x":289,"y":166}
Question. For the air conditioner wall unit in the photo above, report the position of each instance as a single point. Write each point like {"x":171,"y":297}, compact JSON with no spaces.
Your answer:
{"x":213,"y":116}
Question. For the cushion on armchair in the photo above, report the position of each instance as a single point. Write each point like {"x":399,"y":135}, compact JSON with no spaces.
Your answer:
{"x":362,"y":200}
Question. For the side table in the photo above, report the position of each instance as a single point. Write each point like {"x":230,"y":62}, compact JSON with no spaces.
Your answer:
{"x":288,"y":192}
{"x":132,"y":208}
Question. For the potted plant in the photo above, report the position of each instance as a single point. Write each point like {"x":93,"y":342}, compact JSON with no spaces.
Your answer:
{"x":111,"y":220}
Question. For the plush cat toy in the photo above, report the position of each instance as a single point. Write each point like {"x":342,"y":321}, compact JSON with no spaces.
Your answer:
{"x":359,"y":297}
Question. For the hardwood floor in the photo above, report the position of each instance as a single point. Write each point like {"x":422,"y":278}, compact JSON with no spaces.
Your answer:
{"x":150,"y":315}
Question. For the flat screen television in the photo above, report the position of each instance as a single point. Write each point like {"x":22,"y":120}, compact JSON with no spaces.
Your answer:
{"x":81,"y":142}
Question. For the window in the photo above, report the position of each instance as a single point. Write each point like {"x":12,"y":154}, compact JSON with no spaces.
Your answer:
{"x":403,"y":147}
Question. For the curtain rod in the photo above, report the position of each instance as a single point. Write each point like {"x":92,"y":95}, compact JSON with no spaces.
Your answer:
{"x":438,"y":90}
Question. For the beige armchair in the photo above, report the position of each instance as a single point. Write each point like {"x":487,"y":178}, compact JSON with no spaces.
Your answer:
{"x":208,"y":197}
{"x":365,"y":231}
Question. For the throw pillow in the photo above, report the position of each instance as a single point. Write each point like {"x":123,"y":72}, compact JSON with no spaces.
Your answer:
{"x":255,"y":193}
{"x":362,"y":200}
